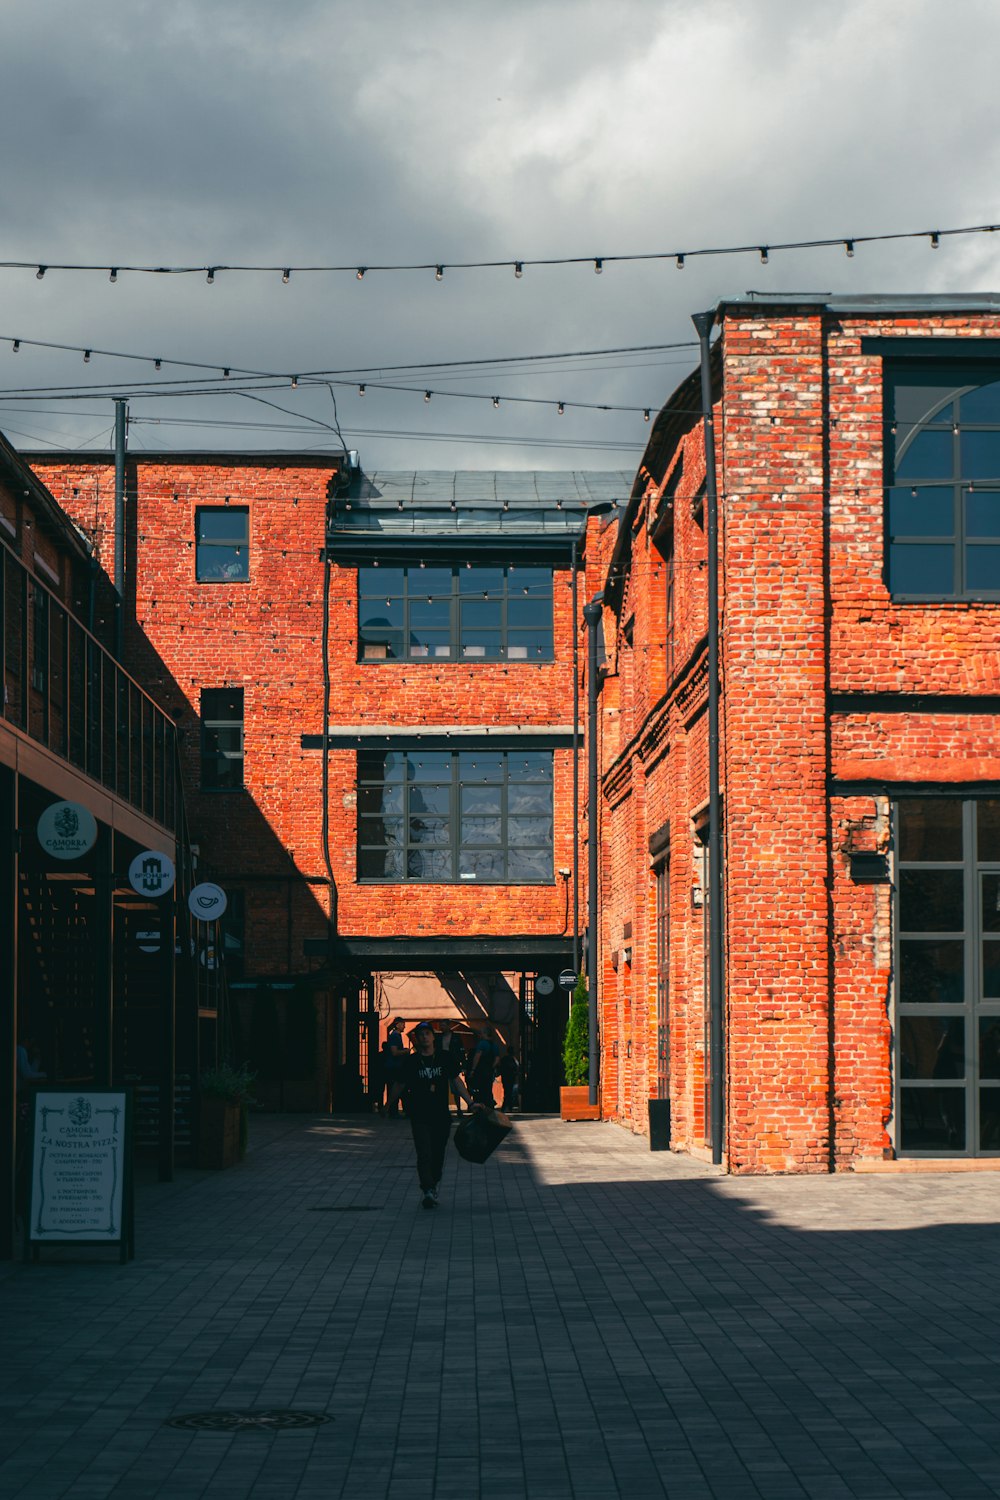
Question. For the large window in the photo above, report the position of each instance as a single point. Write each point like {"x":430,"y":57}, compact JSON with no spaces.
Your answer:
{"x":454,"y":612}
{"x":466,"y":815}
{"x":948,"y":976}
{"x":943,"y":473}
{"x":222,"y":553}
{"x":222,"y":739}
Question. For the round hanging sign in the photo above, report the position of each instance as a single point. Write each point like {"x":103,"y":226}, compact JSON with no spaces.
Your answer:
{"x":207,"y":902}
{"x":152,"y":873}
{"x":67,"y":830}
{"x":544,"y":984}
{"x":148,"y":940}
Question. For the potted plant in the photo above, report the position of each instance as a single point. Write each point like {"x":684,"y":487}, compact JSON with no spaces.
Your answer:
{"x":222,"y":1118}
{"x":574,"y":1099}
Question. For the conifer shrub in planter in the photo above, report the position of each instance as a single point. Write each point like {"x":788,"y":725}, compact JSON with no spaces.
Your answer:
{"x":574,"y":1098}
{"x":222,"y":1116}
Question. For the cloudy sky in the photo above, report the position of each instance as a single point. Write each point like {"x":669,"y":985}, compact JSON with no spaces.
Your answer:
{"x":330,"y":133}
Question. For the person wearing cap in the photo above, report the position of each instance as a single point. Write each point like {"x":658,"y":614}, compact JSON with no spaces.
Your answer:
{"x":428,"y":1076}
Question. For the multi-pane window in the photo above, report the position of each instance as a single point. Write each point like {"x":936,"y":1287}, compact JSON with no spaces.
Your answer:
{"x":460,"y":612}
{"x":465,"y":815}
{"x":943,"y":475}
{"x":222,"y":739}
{"x":222,"y":546}
{"x":948,"y":968}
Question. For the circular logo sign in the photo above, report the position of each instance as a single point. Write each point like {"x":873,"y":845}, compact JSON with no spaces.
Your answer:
{"x":544,"y":985}
{"x":67,"y":830}
{"x":567,"y":979}
{"x":207,"y":902}
{"x":152,"y":873}
{"x":149,"y":941}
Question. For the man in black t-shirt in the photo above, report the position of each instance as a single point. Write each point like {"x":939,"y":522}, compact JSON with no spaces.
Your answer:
{"x":428,"y":1077}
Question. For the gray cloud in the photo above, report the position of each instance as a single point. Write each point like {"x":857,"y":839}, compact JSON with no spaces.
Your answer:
{"x":318,"y":132}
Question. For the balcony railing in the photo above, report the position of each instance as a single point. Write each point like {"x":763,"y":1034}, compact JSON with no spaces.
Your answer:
{"x":63,"y":689}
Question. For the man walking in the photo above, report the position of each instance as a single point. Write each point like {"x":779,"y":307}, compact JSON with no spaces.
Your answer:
{"x":428,"y":1076}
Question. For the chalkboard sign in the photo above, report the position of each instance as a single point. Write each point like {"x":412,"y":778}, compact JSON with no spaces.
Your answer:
{"x":81,"y":1169}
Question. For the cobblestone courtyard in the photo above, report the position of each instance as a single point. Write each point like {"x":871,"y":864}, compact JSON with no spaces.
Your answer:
{"x":581,"y":1318}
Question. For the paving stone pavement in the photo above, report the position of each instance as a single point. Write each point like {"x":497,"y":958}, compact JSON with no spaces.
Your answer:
{"x":581,"y":1318}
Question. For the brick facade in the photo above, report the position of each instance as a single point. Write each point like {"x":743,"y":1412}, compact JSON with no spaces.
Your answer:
{"x":835,"y":698}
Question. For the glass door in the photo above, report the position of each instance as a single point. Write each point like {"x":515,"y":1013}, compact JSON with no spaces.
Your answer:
{"x":948,"y":976}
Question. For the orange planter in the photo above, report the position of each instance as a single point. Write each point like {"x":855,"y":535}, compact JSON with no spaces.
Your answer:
{"x":574,"y":1104}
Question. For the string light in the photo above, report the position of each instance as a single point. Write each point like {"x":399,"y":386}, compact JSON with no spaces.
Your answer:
{"x":16,"y":346}
{"x":157,"y":364}
{"x":360,"y":273}
{"x":561,"y":408}
{"x":286,"y":276}
{"x":114,"y":274}
{"x":763,"y":255}
{"x":86,"y":356}
{"x":645,"y":414}
{"x":935,"y":240}
{"x":519,"y":269}
{"x":679,"y":262}
{"x":40,"y":272}
{"x":428,"y":395}
{"x":598,"y":267}
{"x":496,"y":402}
{"x":295,"y":382}
{"x":210,"y":278}
{"x":849,"y":249}
{"x":439,"y":273}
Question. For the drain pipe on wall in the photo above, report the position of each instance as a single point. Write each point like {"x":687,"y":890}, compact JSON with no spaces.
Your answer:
{"x":592,"y":614}
{"x":703,"y":323}
{"x":121,"y":420}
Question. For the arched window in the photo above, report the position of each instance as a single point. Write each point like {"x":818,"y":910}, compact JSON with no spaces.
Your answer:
{"x":943,"y":479}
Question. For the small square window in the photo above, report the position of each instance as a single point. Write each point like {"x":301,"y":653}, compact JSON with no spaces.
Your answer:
{"x":222,"y":552}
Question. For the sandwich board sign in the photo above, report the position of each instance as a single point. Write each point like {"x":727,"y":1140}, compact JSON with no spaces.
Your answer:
{"x":80,"y":1191}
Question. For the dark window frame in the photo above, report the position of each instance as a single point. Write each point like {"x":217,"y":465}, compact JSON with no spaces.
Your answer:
{"x":455,"y":650}
{"x":950,"y":1102}
{"x":237,"y":543}
{"x":411,"y":851}
{"x":954,"y":377}
{"x":214,"y":721}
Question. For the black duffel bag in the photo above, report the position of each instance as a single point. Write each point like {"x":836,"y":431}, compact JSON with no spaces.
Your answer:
{"x":480,"y":1133}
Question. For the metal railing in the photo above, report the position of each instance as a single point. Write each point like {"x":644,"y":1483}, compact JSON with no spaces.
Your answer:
{"x":66,"y":691}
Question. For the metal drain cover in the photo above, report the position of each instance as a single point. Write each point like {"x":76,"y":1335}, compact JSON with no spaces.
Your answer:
{"x":249,"y":1420}
{"x":346,"y":1208}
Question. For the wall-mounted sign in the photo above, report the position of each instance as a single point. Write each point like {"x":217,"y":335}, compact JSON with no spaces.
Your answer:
{"x":207,"y":902}
{"x":544,"y":985}
{"x":148,"y":940}
{"x":67,"y":830}
{"x":81,"y":1186}
{"x":567,"y":979}
{"x":152,"y":873}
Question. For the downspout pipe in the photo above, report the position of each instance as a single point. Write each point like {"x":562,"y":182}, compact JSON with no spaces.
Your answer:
{"x":592,"y":613}
{"x":576,"y":762}
{"x":121,"y":416}
{"x":703,"y":322}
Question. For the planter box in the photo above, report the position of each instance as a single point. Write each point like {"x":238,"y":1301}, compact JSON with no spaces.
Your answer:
{"x":574,"y":1104}
{"x":218,"y":1134}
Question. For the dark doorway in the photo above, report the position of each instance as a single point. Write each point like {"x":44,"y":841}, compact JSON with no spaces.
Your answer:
{"x":543,"y":1024}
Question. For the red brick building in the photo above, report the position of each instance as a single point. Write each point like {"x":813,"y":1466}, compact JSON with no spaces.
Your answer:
{"x":857,"y":446}
{"x":417,"y":851}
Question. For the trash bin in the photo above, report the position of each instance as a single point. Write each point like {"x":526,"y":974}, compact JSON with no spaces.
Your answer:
{"x":659,"y":1124}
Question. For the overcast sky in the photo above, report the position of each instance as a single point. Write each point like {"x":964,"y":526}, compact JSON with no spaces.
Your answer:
{"x":296,"y":133}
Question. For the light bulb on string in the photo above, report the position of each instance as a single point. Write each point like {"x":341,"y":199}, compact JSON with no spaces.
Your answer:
{"x":286,"y":276}
{"x":428,"y":395}
{"x":210,"y":278}
{"x":679,"y":262}
{"x":645,"y":414}
{"x":86,"y":356}
{"x":15,"y":347}
{"x":561,"y":408}
{"x":157,"y":364}
{"x":361,"y":390}
{"x":849,"y":249}
{"x":114,"y":274}
{"x":935,"y":241}
{"x":360,"y":273}
{"x":764,"y":256}
{"x":496,"y":402}
{"x":518,"y":269}
{"x":439,"y":273}
{"x":598,"y":266}
{"x":40,"y":272}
